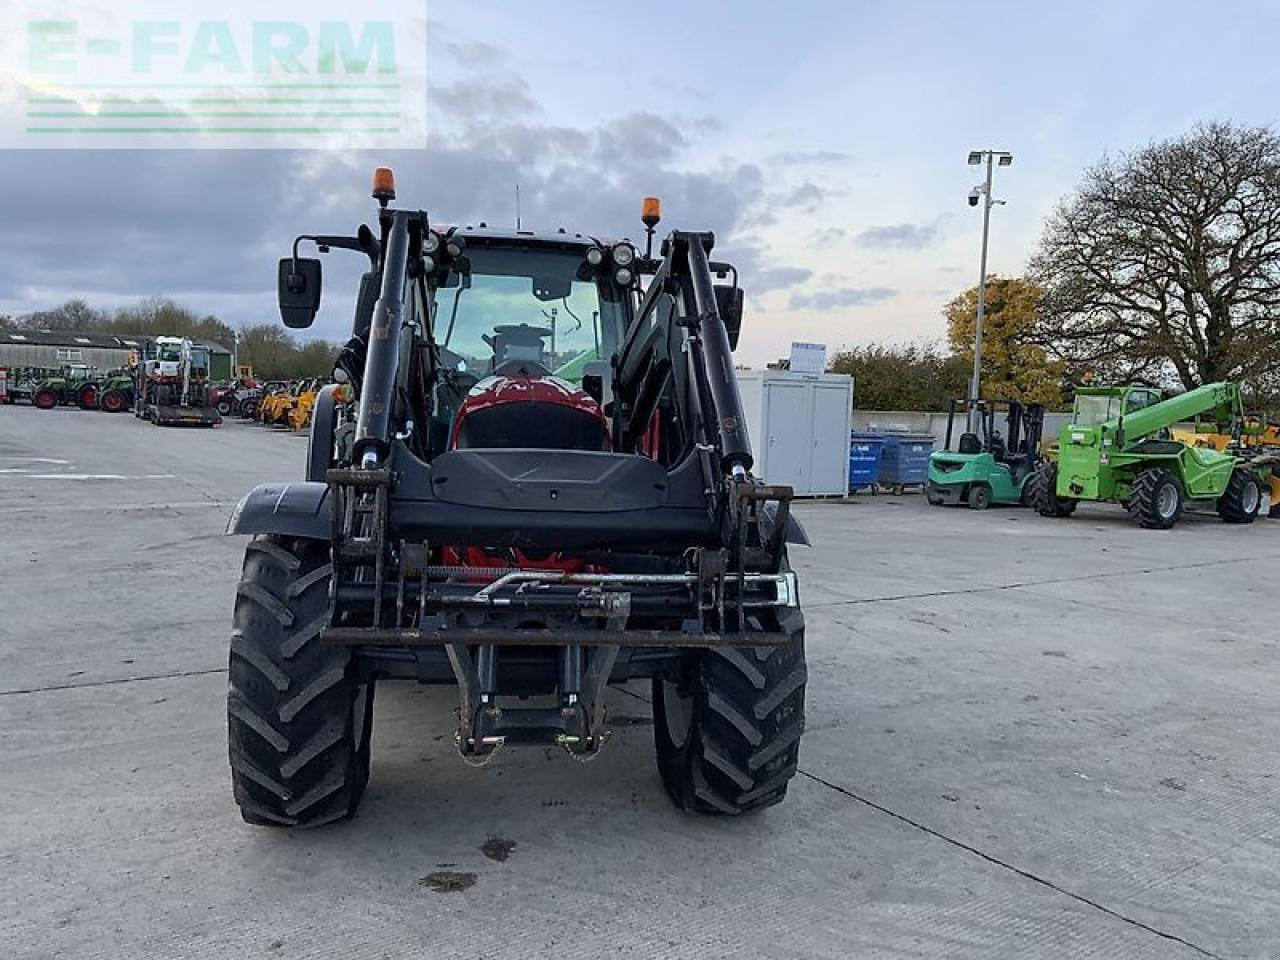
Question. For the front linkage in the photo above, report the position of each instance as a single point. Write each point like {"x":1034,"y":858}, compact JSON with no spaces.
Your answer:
{"x":389,"y":586}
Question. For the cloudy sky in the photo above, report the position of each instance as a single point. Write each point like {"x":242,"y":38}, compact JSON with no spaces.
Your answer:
{"x":824,"y":142}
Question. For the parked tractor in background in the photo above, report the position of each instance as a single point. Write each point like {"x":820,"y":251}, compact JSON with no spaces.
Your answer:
{"x":989,"y":466}
{"x":228,"y":398}
{"x":173,"y":385}
{"x":526,"y":538}
{"x":1257,"y":447}
{"x":115,"y":391}
{"x":1118,"y":448}
{"x":75,"y":385}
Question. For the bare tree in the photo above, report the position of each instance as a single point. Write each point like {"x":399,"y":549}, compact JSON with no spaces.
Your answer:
{"x":1165,"y":265}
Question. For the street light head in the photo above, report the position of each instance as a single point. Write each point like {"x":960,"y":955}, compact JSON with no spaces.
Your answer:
{"x":1005,"y":159}
{"x":975,"y":157}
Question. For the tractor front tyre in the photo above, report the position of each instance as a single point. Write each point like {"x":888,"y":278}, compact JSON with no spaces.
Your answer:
{"x":728,"y":732}
{"x":1042,"y":495}
{"x":1156,"y":500}
{"x":113,"y":401}
{"x":979,"y":496}
{"x":1242,"y":499}
{"x":87,"y":397}
{"x":298,"y":722}
{"x":44,"y":399}
{"x":224,"y":407}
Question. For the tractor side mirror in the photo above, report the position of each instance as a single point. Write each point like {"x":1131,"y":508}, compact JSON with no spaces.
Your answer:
{"x":729,"y":301}
{"x":298,"y":283}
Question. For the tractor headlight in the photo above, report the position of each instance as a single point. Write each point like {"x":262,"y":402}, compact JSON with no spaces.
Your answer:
{"x":595,"y":256}
{"x":623,"y":277}
{"x":454,"y":249}
{"x":428,"y":264}
{"x":431,"y":242}
{"x":624,"y":254}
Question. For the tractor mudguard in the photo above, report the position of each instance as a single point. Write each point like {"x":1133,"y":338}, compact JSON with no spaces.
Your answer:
{"x":288,"y":509}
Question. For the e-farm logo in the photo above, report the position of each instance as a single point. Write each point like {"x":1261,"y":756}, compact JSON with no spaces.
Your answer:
{"x":203,"y":74}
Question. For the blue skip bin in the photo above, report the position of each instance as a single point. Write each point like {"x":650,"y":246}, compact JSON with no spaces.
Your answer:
{"x":865,"y":450}
{"x":906,"y":460}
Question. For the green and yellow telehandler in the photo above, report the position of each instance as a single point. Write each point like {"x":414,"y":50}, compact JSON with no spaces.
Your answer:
{"x":1118,"y":448}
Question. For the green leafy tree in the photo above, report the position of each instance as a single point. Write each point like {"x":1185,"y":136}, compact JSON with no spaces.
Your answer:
{"x":901,"y":377}
{"x":1014,"y":367}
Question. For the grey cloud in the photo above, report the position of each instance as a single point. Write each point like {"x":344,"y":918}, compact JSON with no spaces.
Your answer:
{"x":794,"y":158}
{"x":476,"y":53}
{"x":899,"y":236}
{"x":508,"y":97}
{"x":807,"y":196}
{"x":778,"y":278}
{"x":824,"y":300}
{"x":206,"y":227}
{"x":827,"y":236}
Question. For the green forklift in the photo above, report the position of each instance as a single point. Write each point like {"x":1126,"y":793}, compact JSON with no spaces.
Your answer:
{"x":989,"y":466}
{"x":1119,"y":448}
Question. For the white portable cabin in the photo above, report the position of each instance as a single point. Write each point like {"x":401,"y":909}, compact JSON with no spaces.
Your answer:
{"x":799,"y":425}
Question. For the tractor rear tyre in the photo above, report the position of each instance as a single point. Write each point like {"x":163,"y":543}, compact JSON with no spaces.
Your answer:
{"x":979,"y":496}
{"x":1042,"y":494}
{"x":45,"y":399}
{"x":113,"y":401}
{"x":1157,"y":499}
{"x":1242,"y":499}
{"x":728,"y":732}
{"x":298,"y":722}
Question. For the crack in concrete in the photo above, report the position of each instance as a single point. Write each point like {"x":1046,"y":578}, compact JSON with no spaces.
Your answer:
{"x":110,"y":683}
{"x":990,"y":858}
{"x":1022,"y":585}
{"x":1005,"y":865}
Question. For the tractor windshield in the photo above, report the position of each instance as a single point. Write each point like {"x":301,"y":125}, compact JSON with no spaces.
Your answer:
{"x":1093,"y":409}
{"x":169,"y":352}
{"x":526,"y":307}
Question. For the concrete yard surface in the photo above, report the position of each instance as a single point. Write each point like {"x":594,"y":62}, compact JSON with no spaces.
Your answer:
{"x":1026,"y":738}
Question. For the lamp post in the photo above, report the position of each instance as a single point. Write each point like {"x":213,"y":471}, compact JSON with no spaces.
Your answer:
{"x":982,"y":192}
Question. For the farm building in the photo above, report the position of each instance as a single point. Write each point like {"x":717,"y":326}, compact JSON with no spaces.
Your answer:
{"x":53,"y":348}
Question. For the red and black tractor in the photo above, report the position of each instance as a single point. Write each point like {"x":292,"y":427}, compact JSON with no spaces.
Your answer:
{"x":530,"y":480}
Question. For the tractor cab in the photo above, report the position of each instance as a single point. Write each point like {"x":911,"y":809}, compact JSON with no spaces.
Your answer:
{"x":991,"y":465}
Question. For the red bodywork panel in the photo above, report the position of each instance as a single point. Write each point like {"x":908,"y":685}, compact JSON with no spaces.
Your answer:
{"x":502,"y":391}
{"x":496,"y":391}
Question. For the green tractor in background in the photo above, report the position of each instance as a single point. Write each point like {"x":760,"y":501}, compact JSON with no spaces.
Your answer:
{"x":1118,"y":448}
{"x":75,"y":384}
{"x":987,"y":467}
{"x":116,"y":391}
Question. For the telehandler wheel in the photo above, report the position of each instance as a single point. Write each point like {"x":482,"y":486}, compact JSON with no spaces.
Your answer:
{"x":728,"y":734}
{"x":1156,"y":501}
{"x":44,"y":399}
{"x":979,"y":497}
{"x":1042,"y":494}
{"x":298,"y":723}
{"x":1242,"y":499}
